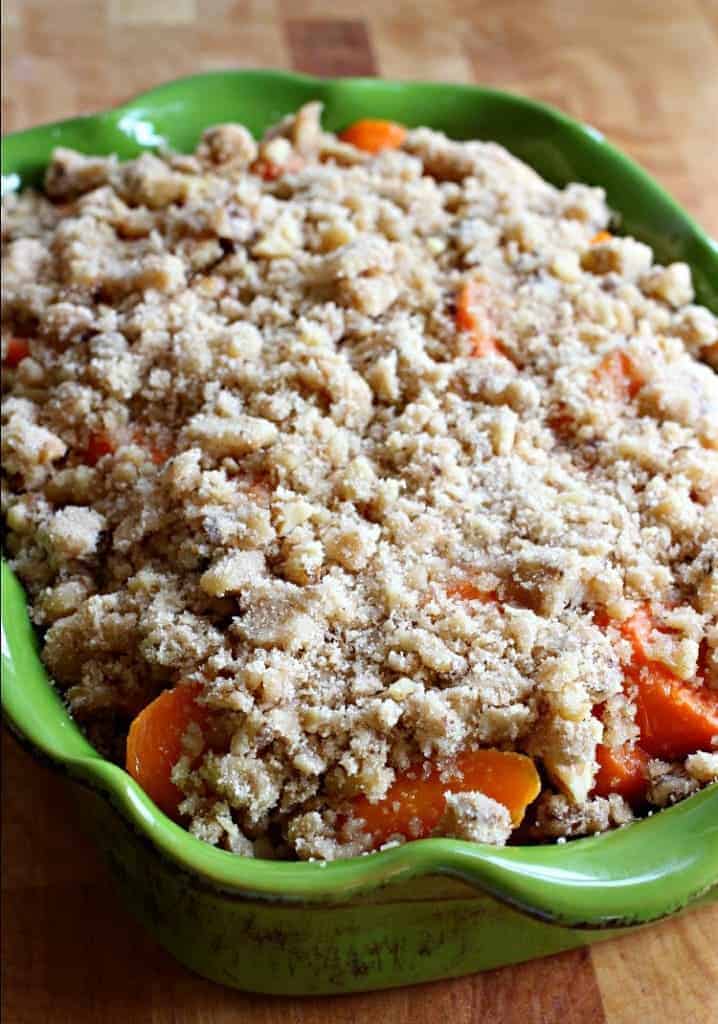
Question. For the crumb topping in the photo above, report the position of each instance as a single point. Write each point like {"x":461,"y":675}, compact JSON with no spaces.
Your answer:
{"x":365,"y":446}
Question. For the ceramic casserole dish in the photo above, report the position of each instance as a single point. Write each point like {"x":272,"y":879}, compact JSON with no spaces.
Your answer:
{"x":430,"y":909}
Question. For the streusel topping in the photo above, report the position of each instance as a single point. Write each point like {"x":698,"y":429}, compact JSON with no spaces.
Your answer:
{"x":252,"y":445}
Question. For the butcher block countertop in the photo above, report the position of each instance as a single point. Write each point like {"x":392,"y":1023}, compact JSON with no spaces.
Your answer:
{"x":644,"y":73}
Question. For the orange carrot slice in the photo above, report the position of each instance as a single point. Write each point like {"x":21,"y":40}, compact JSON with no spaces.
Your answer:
{"x":619,"y":375}
{"x":675,"y":718}
{"x":622,"y":771}
{"x":472,"y":317}
{"x":99,"y":444}
{"x":415,"y":803}
{"x":638,"y":629}
{"x":372,"y":135}
{"x":466,"y":590}
{"x":17,"y":350}
{"x":154,"y":743}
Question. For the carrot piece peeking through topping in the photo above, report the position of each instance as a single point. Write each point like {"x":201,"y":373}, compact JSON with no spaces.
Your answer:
{"x":637,"y":629}
{"x":99,"y":444}
{"x":17,"y":350}
{"x":674,"y":718}
{"x":372,"y":135}
{"x":622,"y":771}
{"x":619,"y":375}
{"x":414,"y":803}
{"x":466,"y":590}
{"x":154,"y":743}
{"x":473,"y":317}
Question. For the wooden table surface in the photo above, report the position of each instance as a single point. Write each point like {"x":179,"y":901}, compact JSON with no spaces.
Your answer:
{"x":644,"y":72}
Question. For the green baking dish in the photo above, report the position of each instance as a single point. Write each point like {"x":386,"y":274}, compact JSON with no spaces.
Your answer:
{"x":431,"y":909}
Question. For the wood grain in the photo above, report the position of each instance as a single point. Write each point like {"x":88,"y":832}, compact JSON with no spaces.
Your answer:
{"x":643,"y":72}
{"x":151,"y":12}
{"x":322,"y":46}
{"x":673,"y":965}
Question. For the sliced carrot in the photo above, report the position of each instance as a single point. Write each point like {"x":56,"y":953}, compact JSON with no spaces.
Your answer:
{"x":372,"y":135}
{"x":473,"y":317}
{"x":674,"y":718}
{"x":415,"y":802}
{"x":601,"y":236}
{"x":17,"y":350}
{"x":154,"y":743}
{"x":618,"y":374}
{"x":638,"y":629}
{"x":99,"y":444}
{"x":622,"y":771}
{"x":466,"y":590}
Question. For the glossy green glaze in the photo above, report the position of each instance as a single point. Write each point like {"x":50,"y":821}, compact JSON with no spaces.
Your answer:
{"x":404,"y":932}
{"x":430,"y":909}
